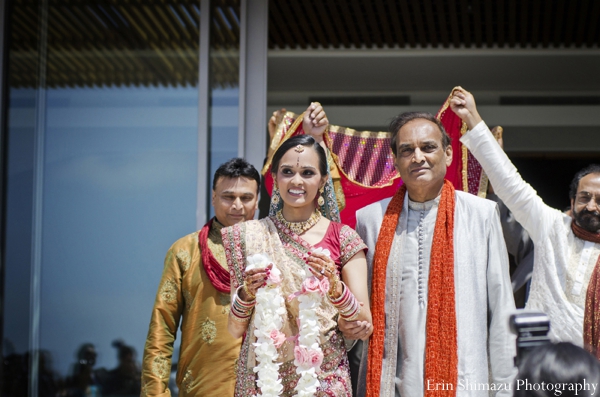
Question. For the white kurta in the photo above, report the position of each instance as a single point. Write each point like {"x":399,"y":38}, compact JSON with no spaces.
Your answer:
{"x":412,"y":314}
{"x":484,"y":299}
{"x":563,"y":263}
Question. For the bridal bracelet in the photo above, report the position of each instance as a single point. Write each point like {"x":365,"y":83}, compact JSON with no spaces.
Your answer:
{"x":347,"y":304}
{"x":241,"y":311}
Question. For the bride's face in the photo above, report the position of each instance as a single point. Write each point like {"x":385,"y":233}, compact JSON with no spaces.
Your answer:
{"x":298,"y":177}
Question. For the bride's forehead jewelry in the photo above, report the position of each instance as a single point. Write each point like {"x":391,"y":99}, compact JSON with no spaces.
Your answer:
{"x":299,"y":148}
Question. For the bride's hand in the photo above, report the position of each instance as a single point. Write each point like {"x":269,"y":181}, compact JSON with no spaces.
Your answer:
{"x":321,"y":266}
{"x":253,"y":280}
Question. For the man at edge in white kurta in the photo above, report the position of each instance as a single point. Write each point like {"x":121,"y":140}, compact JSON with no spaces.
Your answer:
{"x":567,"y":246}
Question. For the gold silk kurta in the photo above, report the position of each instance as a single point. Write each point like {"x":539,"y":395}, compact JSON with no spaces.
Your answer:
{"x":208,"y":352}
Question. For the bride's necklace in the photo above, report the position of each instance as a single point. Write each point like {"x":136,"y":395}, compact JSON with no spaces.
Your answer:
{"x":300,"y":227}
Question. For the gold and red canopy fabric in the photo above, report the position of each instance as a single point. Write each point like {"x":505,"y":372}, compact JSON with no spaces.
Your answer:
{"x":364,"y":162}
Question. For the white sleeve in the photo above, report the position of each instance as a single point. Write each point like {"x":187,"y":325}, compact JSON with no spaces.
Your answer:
{"x":522,"y":200}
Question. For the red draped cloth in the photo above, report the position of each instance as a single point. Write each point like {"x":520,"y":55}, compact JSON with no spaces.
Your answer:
{"x":365,"y":162}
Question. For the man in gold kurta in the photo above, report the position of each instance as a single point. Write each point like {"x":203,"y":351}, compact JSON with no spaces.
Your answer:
{"x":194,"y":289}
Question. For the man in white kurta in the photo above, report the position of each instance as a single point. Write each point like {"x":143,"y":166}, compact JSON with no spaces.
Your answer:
{"x":484,"y":299}
{"x":563,"y":263}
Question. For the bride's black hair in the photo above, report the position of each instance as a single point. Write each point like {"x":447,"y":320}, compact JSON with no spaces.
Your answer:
{"x":303,"y":140}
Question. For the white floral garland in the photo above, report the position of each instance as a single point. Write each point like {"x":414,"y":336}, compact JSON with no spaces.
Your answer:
{"x":269,"y":308}
{"x":268,"y":322}
{"x":308,"y":355}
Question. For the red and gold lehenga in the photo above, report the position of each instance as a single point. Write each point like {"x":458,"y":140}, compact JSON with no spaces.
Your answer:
{"x":288,"y":251}
{"x":362,"y":164}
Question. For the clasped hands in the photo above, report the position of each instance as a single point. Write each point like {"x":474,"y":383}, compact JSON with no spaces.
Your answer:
{"x":355,"y":329}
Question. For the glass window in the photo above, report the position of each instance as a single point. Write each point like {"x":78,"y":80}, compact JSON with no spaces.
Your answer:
{"x":224,"y":82}
{"x":110,"y":90}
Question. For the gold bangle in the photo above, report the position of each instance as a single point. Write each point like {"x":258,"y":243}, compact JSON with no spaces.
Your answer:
{"x":251,"y":296}
{"x":333,"y":288}
{"x":237,"y":319}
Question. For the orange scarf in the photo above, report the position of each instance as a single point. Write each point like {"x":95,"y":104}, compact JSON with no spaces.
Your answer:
{"x":441,"y":351}
{"x":591,"y":317}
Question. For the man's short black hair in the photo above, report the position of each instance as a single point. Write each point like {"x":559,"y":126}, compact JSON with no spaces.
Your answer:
{"x":403,"y":119}
{"x":235,"y":168}
{"x":590,"y":169}
{"x":559,"y":364}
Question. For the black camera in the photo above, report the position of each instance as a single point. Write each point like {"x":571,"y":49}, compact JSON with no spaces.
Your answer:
{"x":531,"y":329}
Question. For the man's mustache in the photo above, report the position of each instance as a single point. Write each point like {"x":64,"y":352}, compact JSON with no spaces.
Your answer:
{"x":589,"y":213}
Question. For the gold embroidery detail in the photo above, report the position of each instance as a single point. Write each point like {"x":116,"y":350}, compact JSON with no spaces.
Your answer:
{"x":465,"y":160}
{"x":187,"y":296}
{"x":208,"y":331}
{"x":168,"y":291}
{"x":483,"y":185}
{"x":215,"y":244}
{"x":160,"y":367}
{"x":275,"y":143}
{"x":225,"y":301}
{"x":463,"y":130}
{"x":187,"y":381}
{"x":185,"y":259}
{"x":339,"y":194}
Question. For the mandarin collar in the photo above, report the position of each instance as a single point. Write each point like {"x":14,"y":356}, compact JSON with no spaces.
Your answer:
{"x":216,"y":225}
{"x":425,"y":206}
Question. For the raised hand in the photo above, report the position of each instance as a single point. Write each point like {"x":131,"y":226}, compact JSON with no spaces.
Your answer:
{"x":315,"y":121}
{"x":463,"y":104}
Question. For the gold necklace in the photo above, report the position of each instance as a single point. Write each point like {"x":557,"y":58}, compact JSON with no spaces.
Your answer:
{"x":299,"y":227}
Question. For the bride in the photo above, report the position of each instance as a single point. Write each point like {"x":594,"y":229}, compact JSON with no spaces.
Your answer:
{"x":293,"y":275}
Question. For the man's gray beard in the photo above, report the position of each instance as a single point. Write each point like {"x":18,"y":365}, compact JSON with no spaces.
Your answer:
{"x":587,"y":220}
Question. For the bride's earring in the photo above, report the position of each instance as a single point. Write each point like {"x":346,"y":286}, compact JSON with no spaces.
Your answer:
{"x":275,"y":195}
{"x":321,"y":200}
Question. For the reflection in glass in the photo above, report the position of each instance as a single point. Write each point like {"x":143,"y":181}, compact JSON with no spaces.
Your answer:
{"x":224,"y":82}
{"x":119,"y":177}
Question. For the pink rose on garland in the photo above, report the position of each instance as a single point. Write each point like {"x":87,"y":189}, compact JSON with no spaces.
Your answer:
{"x":278,"y":337}
{"x":316,"y":358}
{"x":311,"y":284}
{"x":275,"y":275}
{"x":324,"y":286}
{"x":302,"y":356}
